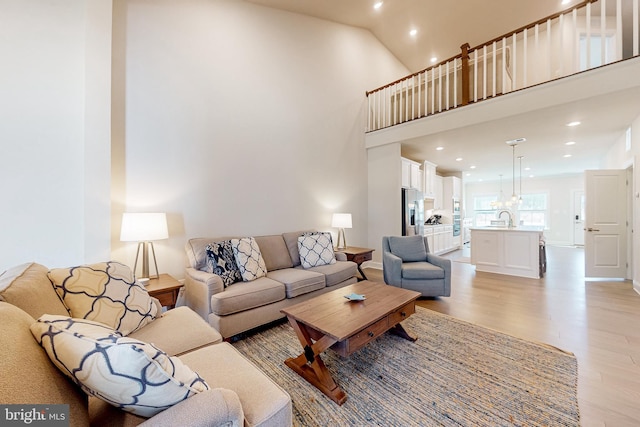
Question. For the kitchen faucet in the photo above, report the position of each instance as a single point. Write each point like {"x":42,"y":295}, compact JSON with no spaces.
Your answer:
{"x":509,"y":214}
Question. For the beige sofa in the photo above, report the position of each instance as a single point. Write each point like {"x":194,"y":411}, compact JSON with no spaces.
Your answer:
{"x":247,"y":305}
{"x":239,"y":393}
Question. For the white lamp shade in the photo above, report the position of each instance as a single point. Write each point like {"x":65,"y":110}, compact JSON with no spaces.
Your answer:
{"x":341,"y":220}
{"x":143,"y":227}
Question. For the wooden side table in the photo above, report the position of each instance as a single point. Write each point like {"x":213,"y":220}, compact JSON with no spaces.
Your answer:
{"x":165,"y":288}
{"x":358,"y":255}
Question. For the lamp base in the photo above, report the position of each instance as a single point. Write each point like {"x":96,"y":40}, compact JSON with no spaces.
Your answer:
{"x":145,"y":261}
{"x":341,"y":238}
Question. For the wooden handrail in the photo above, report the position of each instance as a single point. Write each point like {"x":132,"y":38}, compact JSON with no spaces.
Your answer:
{"x":464,"y":75}
{"x":369,"y":92}
{"x":533,"y":24}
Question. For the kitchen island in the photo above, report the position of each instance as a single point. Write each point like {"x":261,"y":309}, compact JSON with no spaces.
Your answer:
{"x":507,"y":250}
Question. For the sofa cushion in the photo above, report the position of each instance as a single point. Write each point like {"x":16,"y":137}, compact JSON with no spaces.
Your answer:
{"x":28,"y":376}
{"x":28,"y":287}
{"x":297,"y":281}
{"x":105,"y":292}
{"x":221,"y":261}
{"x":336,"y":273}
{"x":178,"y":331}
{"x":408,"y":248}
{"x":130,"y":374}
{"x":316,"y":249}
{"x":274,"y":251}
{"x":249,"y":259}
{"x":264,"y":403}
{"x":291,"y":240}
{"x":245,"y":295}
{"x":421,"y":270}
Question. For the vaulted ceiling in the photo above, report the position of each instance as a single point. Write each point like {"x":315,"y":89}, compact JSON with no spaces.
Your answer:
{"x":441,"y":28}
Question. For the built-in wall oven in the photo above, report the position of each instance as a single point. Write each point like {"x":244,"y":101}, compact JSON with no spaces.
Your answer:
{"x":456,"y":217}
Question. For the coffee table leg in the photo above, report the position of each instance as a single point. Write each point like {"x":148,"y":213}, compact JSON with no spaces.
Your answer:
{"x":400,"y":331}
{"x":310,"y":366}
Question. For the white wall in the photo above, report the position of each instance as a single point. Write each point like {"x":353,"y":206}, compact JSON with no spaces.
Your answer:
{"x":560,"y":190}
{"x":237,"y":119}
{"x":54,"y":104}
{"x":385,"y":200}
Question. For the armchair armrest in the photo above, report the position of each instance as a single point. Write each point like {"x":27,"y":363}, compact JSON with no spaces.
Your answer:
{"x":199,"y":286}
{"x":392,"y":269}
{"x":216,"y":407}
{"x":444,"y":264}
{"x":439,"y":261}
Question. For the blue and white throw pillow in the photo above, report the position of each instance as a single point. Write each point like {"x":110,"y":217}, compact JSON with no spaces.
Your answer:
{"x":316,"y":249}
{"x":105,"y":292}
{"x":248,"y":258}
{"x":127,"y":373}
{"x":221,"y":261}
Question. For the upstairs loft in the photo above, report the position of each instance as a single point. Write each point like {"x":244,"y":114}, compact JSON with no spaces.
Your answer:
{"x":585,"y":37}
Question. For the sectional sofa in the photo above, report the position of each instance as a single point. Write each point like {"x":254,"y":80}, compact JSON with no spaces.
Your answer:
{"x":288,"y":279}
{"x":33,"y":357}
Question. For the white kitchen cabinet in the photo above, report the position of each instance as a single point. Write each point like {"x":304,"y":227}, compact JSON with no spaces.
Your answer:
{"x":439,"y":238}
{"x":451,"y":188}
{"x":406,"y":173}
{"x":512,"y":251}
{"x":438,"y":189}
{"x":411,"y":174}
{"x":429,"y":170}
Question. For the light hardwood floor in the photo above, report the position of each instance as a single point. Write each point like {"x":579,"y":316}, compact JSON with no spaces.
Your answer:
{"x":598,"y":321}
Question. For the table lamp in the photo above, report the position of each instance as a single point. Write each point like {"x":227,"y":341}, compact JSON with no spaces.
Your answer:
{"x":341,"y":221}
{"x":144,"y":228}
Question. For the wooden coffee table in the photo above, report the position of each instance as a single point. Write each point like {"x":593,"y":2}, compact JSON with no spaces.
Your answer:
{"x":332,"y":321}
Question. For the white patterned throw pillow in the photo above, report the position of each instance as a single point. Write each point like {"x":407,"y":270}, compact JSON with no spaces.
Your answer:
{"x":248,"y":258}
{"x":316,"y":249}
{"x":105,"y":292}
{"x":129,"y":374}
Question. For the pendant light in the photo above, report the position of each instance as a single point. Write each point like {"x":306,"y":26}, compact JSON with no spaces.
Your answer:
{"x":520,"y":191}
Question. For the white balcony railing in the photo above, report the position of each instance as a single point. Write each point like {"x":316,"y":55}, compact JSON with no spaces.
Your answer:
{"x":588,"y":35}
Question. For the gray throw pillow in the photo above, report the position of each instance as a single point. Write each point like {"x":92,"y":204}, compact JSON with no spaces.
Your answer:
{"x":409,"y":248}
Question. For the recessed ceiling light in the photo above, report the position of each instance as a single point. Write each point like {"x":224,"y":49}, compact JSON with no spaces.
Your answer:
{"x":472,"y":166}
{"x":570,"y":143}
{"x":439,"y":148}
{"x":413,"y":32}
{"x":378,"y":5}
{"x":527,"y":168}
{"x":458,"y":159}
{"x":433,"y":59}
{"x":531,"y":176}
{"x":468,"y":174}
{"x":567,"y":155}
{"x":566,"y":1}
{"x":571,"y":124}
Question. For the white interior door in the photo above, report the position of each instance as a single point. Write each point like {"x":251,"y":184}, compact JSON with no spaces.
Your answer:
{"x":605,"y":245}
{"x":578,"y":218}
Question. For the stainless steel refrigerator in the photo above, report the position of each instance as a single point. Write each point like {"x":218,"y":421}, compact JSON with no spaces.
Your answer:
{"x":412,"y":212}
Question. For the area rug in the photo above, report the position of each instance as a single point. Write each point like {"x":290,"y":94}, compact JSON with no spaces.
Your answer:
{"x":456,"y":374}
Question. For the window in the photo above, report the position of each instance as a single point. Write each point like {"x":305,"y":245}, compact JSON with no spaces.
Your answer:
{"x":533,"y":210}
{"x":484,"y":209}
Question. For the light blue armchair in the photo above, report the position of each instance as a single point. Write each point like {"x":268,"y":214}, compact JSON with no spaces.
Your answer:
{"x":407,"y":263}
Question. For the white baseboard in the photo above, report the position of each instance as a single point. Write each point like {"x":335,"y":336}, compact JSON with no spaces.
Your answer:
{"x":636,"y":286}
{"x":372,"y":264}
